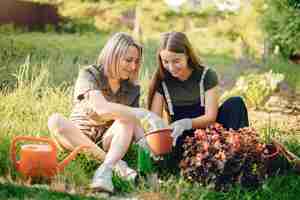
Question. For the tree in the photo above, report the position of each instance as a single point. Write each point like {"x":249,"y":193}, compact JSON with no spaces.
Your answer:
{"x":281,"y":21}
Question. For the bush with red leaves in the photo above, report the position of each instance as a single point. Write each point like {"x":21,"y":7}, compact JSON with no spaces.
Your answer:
{"x":219,"y":158}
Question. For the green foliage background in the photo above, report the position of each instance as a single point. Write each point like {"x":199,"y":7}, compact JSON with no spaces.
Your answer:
{"x":283,"y":29}
{"x":37,"y":71}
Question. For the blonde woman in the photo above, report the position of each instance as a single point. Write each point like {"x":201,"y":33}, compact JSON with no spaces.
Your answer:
{"x":105,"y":110}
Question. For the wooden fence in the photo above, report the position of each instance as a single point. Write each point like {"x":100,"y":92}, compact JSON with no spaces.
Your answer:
{"x":28,"y":14}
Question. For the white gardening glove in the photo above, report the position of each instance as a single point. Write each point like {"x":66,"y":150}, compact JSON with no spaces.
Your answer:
{"x":154,"y":120}
{"x":179,"y":127}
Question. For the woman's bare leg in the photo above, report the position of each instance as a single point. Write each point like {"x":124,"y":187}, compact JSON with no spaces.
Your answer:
{"x":70,"y":136}
{"x":117,"y":140}
{"x":107,"y":137}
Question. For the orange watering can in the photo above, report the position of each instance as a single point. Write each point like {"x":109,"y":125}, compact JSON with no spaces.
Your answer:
{"x":39,"y":160}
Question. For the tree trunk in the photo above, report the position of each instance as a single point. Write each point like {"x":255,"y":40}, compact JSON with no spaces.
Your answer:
{"x":137,"y":30}
{"x":266,"y":52}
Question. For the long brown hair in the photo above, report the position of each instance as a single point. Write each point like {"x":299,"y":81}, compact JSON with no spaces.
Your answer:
{"x":176,"y":42}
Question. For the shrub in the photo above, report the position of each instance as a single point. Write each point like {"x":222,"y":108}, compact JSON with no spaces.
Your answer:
{"x":255,"y":88}
{"x":281,"y":21}
{"x":77,"y":26}
{"x":11,"y":28}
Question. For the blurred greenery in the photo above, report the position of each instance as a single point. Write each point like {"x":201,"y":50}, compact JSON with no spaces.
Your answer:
{"x":279,"y":19}
{"x":38,"y":69}
{"x":255,"y":88}
{"x":51,"y":49}
{"x":283,"y":29}
{"x":24,"y":110}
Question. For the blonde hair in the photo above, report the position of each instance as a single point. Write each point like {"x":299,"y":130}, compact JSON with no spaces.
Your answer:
{"x":113,"y":51}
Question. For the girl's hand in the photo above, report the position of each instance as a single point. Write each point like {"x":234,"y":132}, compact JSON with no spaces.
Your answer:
{"x":179,"y":127}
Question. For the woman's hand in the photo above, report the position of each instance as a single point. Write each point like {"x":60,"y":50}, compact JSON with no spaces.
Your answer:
{"x":154,"y":120}
{"x":179,"y":127}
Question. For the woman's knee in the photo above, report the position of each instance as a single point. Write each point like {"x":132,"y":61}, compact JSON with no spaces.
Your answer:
{"x":235,"y":102}
{"x":56,"y":122}
{"x":56,"y":125}
{"x":128,"y":126}
{"x":119,"y":127}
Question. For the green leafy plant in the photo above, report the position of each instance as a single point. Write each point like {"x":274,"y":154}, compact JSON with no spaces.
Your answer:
{"x":294,"y":3}
{"x":255,"y":88}
{"x":281,"y":21}
{"x":123,"y":186}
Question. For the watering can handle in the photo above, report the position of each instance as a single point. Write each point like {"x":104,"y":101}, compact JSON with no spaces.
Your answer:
{"x":28,"y":138}
{"x":70,"y":157}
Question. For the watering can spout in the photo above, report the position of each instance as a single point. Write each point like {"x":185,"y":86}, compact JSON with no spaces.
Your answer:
{"x":70,"y":157}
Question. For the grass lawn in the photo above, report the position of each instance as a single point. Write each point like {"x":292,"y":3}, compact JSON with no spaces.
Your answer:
{"x":12,"y":192}
{"x":277,"y":188}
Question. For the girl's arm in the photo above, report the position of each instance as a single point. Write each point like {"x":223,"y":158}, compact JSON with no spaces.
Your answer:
{"x":211,"y":109}
{"x":157,"y":104}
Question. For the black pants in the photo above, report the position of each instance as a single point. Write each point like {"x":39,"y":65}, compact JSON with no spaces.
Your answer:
{"x":231,"y":114}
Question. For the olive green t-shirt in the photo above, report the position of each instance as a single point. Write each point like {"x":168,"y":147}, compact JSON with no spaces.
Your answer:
{"x":187,"y":92}
{"x":93,"y":78}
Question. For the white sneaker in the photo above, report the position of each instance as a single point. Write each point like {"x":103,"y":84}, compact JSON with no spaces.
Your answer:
{"x":125,"y":172}
{"x":102,"y":180}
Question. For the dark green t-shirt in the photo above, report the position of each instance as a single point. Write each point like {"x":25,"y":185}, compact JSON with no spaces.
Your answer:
{"x":184,"y":93}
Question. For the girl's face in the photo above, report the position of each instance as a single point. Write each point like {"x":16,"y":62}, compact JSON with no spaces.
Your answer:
{"x":176,"y":64}
{"x":129,"y":63}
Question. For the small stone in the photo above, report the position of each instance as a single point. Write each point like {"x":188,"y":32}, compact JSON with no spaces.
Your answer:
{"x":101,"y":195}
{"x":58,"y":187}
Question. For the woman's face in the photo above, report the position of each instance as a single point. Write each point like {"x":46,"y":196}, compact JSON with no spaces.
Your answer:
{"x":130,"y":63}
{"x":176,"y":64}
